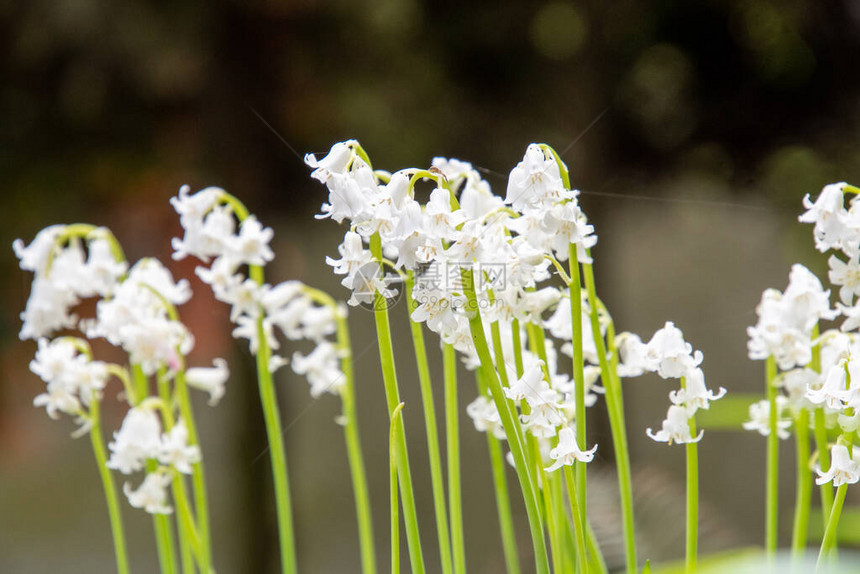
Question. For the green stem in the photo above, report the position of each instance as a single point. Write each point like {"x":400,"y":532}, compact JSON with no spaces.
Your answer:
{"x":615,"y":408}
{"x":198,"y":477}
{"x":114,"y":511}
{"x":772,"y":494}
{"x":803,"y":497}
{"x":275,"y":433}
{"x":163,"y":535}
{"x":692,"y":543}
{"x":392,"y":395}
{"x":186,"y":555}
{"x":823,"y":449}
{"x":511,"y":425}
{"x":392,"y":488}
{"x":354,"y":452}
{"x":161,"y":522}
{"x":829,"y":541}
{"x":578,"y":524}
{"x":575,"y":288}
{"x":452,"y":436}
{"x":500,"y":484}
{"x":432,"y":430}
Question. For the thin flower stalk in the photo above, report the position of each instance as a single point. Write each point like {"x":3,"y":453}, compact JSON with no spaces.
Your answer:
{"x":392,"y":394}
{"x":578,"y":523}
{"x":111,"y":497}
{"x":393,"y":432}
{"x":452,"y":436}
{"x":692,"y":530}
{"x":828,"y":544}
{"x":615,"y":408}
{"x":500,"y":487}
{"x":511,"y":426}
{"x":803,"y":495}
{"x":431,"y":426}
{"x":772,"y":489}
{"x":578,"y":375}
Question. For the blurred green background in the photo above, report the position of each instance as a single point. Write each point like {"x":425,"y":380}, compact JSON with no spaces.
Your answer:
{"x":693,"y":130}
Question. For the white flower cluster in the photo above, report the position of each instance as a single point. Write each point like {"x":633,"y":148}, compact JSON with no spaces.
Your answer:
{"x":463,"y":232}
{"x":208,"y":219}
{"x":818,"y":371}
{"x":671,"y":357}
{"x":140,"y":440}
{"x":73,"y":379}
{"x":135,"y":311}
{"x":64,"y":275}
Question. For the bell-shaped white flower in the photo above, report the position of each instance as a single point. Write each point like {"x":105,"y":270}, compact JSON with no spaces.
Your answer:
{"x":175,"y":450}
{"x":844,"y":466}
{"x":846,"y":274}
{"x":567,"y":452}
{"x":485,"y":416}
{"x":669,"y":354}
{"x":335,"y":162}
{"x":321,"y":367}
{"x":210,"y":379}
{"x":676,"y":428}
{"x":828,"y":214}
{"x":138,"y":439}
{"x":151,"y":495}
{"x":695,"y":395}
{"x":760,"y":418}
{"x":251,"y":245}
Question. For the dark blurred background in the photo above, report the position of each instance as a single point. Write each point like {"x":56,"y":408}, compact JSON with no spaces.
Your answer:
{"x":692,"y":128}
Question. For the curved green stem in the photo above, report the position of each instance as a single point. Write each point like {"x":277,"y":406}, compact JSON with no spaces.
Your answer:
{"x":772,"y":494}
{"x":111,"y":497}
{"x":183,"y":512}
{"x":275,"y":433}
{"x":500,"y":485}
{"x":510,"y":424}
{"x":452,"y":436}
{"x":392,"y":395}
{"x":829,"y":541}
{"x":803,"y":497}
{"x":354,"y":452}
{"x":432,"y":430}
{"x":615,"y":408}
{"x":198,"y":478}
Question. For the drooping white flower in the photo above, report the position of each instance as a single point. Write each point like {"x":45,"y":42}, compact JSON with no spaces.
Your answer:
{"x":846,"y":274}
{"x":844,"y":466}
{"x":695,"y":395}
{"x":534,"y":180}
{"x":251,"y":245}
{"x":138,"y":439}
{"x":828,"y":214}
{"x":760,"y":418}
{"x":485,"y":416}
{"x":322,"y":368}
{"x":567,"y":452}
{"x":209,"y":379}
{"x":175,"y":450}
{"x":335,"y":162}
{"x":35,"y":256}
{"x":151,"y":495}
{"x":631,"y":353}
{"x":669,"y":355}
{"x":676,"y":428}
